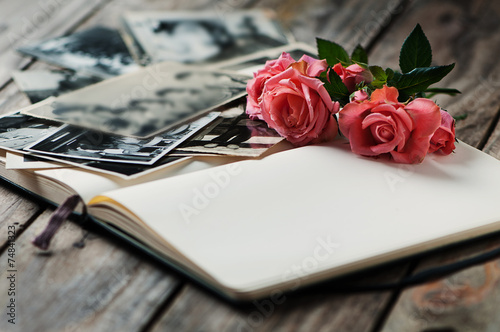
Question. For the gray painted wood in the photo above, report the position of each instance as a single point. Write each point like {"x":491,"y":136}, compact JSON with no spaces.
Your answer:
{"x":100,"y":287}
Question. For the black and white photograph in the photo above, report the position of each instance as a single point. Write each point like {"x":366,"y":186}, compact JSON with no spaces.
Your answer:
{"x":38,"y":85}
{"x":126,"y":171}
{"x":200,"y":37}
{"x":252,"y":63}
{"x":97,"y":51}
{"x":75,"y":142}
{"x":122,"y":170}
{"x":18,"y":131}
{"x":147,"y":102}
{"x":233,"y":133}
{"x":27,"y":161}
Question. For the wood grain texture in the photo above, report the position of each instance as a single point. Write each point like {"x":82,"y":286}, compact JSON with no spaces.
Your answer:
{"x":103,"y":287}
{"x":15,"y":211}
{"x":456,"y":30}
{"x":346,"y":22}
{"x":26,"y":21}
{"x":464,"y":301}
{"x":99,"y":287}
{"x":315,"y":310}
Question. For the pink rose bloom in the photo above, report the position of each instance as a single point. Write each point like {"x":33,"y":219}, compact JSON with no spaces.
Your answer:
{"x":255,"y":86}
{"x":359,"y":96}
{"x":297,"y":105}
{"x":443,"y":139}
{"x":382,"y":125}
{"x":353,"y":75}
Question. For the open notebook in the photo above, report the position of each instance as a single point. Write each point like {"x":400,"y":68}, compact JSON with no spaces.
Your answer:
{"x":296,"y":217}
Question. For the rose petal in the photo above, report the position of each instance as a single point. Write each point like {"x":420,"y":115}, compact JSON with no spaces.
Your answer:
{"x":350,"y":114}
{"x":427,"y":118}
{"x":385,"y":95}
{"x":316,"y":67}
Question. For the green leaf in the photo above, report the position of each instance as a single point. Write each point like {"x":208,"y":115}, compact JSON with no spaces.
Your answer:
{"x":416,"y":51}
{"x":337,"y":90}
{"x":419,"y":79}
{"x":333,"y":53}
{"x":379,"y":77}
{"x":392,"y":81}
{"x":434,"y":91}
{"x":359,"y":55}
{"x":390,"y":73}
{"x":378,"y":73}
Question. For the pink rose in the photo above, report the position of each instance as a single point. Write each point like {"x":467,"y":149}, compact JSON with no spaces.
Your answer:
{"x":298,"y":106}
{"x":443,"y":139}
{"x":255,"y":86}
{"x":353,"y":75}
{"x":382,"y":125}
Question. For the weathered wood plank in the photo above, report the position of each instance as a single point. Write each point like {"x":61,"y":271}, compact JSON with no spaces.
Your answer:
{"x":15,"y":213}
{"x":464,"y":32}
{"x":492,"y":146}
{"x":194,"y":310}
{"x":116,"y":290}
{"x":27,"y":21}
{"x":99,"y":287}
{"x":465,"y":301}
{"x":346,"y":22}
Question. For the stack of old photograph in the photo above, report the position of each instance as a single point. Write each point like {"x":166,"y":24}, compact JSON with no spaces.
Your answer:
{"x":164,"y":87}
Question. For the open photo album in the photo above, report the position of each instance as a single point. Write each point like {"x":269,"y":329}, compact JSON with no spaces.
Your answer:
{"x":251,"y":228}
{"x":169,"y":153}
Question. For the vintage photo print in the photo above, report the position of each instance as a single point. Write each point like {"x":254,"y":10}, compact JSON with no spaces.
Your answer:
{"x":127,"y":171}
{"x":97,"y":51}
{"x":121,"y":170}
{"x":18,"y":131}
{"x":75,"y":142}
{"x":233,"y":133}
{"x":41,"y":84}
{"x":254,"y":62}
{"x":146,"y":102}
{"x":200,"y":37}
{"x":26,"y":161}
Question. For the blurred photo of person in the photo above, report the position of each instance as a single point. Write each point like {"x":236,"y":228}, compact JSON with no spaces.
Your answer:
{"x":202,"y":37}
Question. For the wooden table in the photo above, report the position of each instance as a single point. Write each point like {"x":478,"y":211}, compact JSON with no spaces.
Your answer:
{"x":107,"y":286}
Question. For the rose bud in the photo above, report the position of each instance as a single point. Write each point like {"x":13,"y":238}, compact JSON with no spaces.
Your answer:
{"x":353,"y":75}
{"x":443,"y":139}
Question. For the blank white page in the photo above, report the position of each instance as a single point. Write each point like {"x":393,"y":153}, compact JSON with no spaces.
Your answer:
{"x":314,"y":212}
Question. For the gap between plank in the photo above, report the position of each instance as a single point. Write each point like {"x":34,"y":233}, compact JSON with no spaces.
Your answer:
{"x":27,"y":224}
{"x":384,"y":30}
{"x":163,"y":307}
{"x":380,"y":321}
{"x":489,"y":131}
